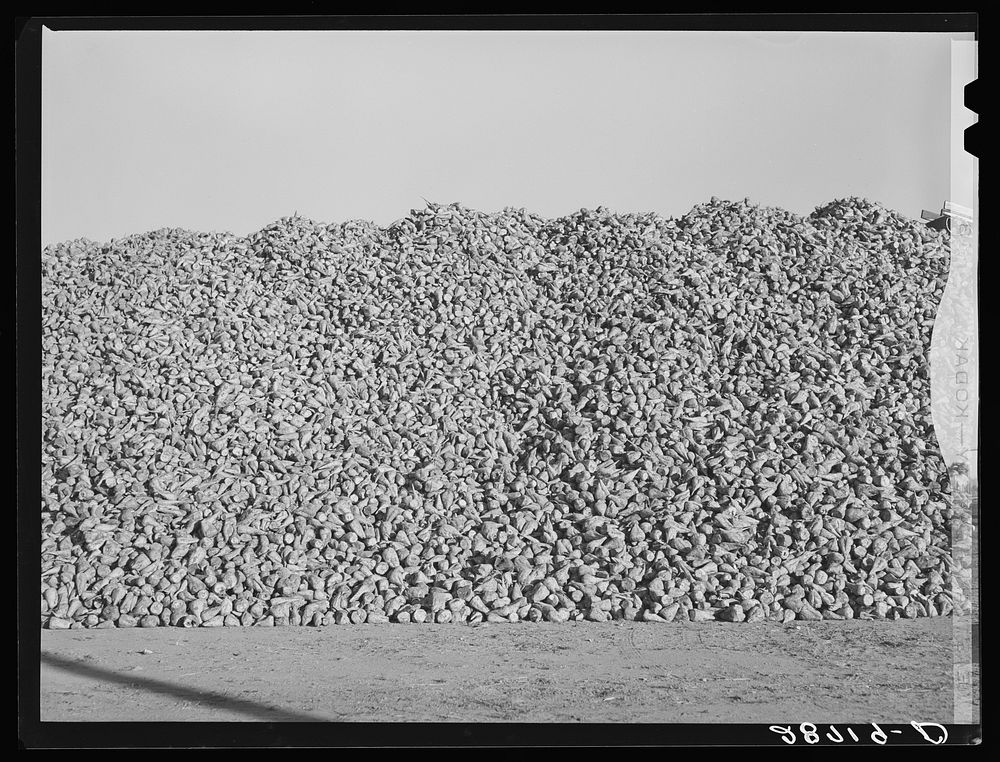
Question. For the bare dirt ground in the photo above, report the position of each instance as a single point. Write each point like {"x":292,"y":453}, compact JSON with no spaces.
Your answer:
{"x":853,"y":671}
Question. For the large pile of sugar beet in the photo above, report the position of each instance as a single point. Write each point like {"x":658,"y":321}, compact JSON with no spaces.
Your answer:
{"x":469,"y":417}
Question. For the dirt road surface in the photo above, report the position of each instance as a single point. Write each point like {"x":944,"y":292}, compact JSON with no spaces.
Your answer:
{"x":853,"y":671}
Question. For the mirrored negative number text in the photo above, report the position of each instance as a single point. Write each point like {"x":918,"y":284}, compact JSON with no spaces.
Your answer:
{"x":808,"y":733}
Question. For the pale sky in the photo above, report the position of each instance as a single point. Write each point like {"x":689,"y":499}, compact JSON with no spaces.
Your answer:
{"x":230,"y":131}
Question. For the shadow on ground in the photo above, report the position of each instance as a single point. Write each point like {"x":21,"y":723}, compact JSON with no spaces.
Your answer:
{"x":221,"y":701}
